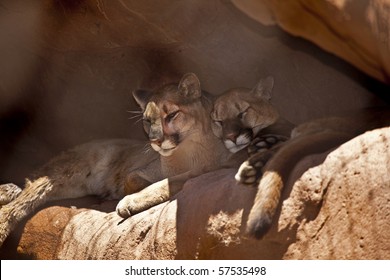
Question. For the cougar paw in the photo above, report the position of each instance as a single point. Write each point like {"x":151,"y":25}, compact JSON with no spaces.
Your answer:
{"x":265,"y":142}
{"x":124,"y":206}
{"x":130,"y":205}
{"x":251,"y":170}
{"x":8,"y":192}
{"x":253,"y":149}
{"x":247,"y":173}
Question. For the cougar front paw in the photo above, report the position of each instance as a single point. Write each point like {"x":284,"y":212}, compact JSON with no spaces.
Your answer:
{"x":265,"y":142}
{"x":8,"y":192}
{"x":246,"y":174}
{"x":125,"y":206}
{"x":250,"y":171}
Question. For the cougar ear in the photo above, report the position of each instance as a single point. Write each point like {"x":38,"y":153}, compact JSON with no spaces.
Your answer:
{"x":189,"y":86}
{"x":264,"y":88}
{"x":141,"y":96}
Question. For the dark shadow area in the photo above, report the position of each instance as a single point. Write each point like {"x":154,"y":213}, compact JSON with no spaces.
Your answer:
{"x":69,"y":67}
{"x":372,"y":85}
{"x":73,"y":75}
{"x":197,"y":243}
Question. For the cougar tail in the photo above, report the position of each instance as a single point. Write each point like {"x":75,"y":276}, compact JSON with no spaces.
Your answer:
{"x":33,"y":196}
{"x":276,"y":174}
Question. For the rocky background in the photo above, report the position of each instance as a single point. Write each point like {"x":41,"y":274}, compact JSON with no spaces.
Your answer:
{"x":336,"y":210}
{"x":67,"y":72}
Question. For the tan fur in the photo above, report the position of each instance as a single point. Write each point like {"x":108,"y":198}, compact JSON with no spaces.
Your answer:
{"x":313,"y":137}
{"x":192,"y":152}
{"x":240,"y":114}
{"x":97,"y":168}
{"x":245,"y":118}
{"x":176,"y":119}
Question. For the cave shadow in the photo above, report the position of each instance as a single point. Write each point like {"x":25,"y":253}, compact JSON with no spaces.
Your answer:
{"x":230,"y":191}
{"x":374,"y":86}
{"x":195,"y":212}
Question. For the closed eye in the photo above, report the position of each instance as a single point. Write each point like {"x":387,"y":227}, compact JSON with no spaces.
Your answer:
{"x":242,"y":114}
{"x":147,"y":124}
{"x":171,"y":116}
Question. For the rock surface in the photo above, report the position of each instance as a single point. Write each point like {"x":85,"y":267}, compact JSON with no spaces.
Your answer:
{"x":357,"y":31}
{"x":67,"y":71}
{"x":69,"y":67}
{"x":338,"y":209}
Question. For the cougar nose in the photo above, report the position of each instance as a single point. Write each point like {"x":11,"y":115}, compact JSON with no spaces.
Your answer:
{"x":231,"y":136}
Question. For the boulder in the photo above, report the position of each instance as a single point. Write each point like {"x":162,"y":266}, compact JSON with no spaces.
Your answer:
{"x":337,"y":209}
{"x":357,"y":31}
{"x":68,"y":69}
{"x":66,"y":75}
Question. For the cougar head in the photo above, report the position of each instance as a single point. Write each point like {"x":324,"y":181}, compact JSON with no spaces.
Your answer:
{"x":240,"y":113}
{"x":173,"y":114}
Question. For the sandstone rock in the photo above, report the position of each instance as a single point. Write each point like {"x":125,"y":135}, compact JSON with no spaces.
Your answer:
{"x":357,"y":31}
{"x":338,"y":209}
{"x":68,"y":68}
{"x":353,"y":221}
{"x":67,"y":59}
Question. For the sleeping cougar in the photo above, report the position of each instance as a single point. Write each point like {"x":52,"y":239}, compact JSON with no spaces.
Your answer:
{"x":245,"y":118}
{"x":176,"y":120}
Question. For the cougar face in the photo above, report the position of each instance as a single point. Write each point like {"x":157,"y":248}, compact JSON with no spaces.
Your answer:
{"x":164,"y":126}
{"x":231,"y":121}
{"x":173,"y":114}
{"x":240,"y":113}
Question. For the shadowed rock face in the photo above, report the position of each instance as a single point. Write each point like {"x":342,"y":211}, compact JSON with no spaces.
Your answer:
{"x":338,"y":209}
{"x":68,"y":69}
{"x":357,"y":31}
{"x":67,"y":72}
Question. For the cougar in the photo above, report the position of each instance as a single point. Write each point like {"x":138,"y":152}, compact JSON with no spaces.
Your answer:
{"x":177,"y":123}
{"x":313,"y":137}
{"x":246,"y":118}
